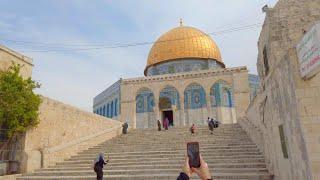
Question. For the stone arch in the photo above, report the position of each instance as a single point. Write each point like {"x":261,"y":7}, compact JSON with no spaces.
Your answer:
{"x":221,"y":94}
{"x":144,"y":100}
{"x":169,"y":95}
{"x":194,"y":96}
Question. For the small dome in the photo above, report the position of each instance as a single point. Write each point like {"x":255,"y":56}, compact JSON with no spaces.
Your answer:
{"x":181,"y":43}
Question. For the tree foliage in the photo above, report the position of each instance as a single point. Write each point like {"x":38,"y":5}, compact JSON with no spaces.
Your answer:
{"x":18,"y":104}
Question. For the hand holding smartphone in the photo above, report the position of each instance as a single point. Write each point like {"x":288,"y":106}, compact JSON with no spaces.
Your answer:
{"x":193,"y":154}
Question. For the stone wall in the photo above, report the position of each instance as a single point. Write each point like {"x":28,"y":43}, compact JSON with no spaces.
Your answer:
{"x":7,"y":56}
{"x":276,"y":106}
{"x":63,"y":131}
{"x":286,"y":101}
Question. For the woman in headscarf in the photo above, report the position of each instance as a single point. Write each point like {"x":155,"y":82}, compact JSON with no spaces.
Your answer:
{"x":98,"y":166}
{"x":193,"y":129}
{"x":166,"y":123}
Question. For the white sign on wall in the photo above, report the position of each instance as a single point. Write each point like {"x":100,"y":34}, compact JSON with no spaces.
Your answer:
{"x":309,"y":52}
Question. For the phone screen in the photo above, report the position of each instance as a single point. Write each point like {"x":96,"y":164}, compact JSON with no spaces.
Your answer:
{"x":193,"y":154}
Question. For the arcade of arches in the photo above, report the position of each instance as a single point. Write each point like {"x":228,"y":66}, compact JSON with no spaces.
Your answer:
{"x":195,"y":109}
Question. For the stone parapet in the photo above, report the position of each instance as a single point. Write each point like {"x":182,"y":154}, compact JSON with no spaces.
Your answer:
{"x":64,"y":131}
{"x":8,"y":56}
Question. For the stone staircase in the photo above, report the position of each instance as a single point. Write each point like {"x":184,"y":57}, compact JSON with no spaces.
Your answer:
{"x":150,"y":154}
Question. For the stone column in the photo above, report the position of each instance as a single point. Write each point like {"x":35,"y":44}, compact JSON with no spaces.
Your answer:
{"x":209,"y":113}
{"x":128,"y":113}
{"x":182,"y":119}
{"x":156,"y":109}
{"x":241,"y":92}
{"x":182,"y":116}
{"x":128,"y":105}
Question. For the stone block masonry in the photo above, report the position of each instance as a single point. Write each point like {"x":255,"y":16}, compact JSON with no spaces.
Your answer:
{"x":7,"y":56}
{"x":284,"y":117}
{"x":64,"y":131}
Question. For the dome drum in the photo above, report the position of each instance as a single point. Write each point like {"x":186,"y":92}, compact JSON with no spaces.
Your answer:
{"x":183,"y":65}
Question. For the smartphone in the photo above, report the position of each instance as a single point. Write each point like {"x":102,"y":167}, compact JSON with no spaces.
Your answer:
{"x":193,"y":154}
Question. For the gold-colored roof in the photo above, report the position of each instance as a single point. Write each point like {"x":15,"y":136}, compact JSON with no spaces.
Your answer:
{"x":183,"y":42}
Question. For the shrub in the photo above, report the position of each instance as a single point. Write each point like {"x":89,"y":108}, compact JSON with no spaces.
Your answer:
{"x":19,"y":105}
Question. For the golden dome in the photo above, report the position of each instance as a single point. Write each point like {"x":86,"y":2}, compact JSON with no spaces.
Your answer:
{"x":183,"y":42}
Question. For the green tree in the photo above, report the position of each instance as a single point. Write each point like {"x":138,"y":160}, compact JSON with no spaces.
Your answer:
{"x":18,"y":104}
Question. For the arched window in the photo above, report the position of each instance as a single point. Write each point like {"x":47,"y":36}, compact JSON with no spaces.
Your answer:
{"x":104,"y":110}
{"x":108,"y":110}
{"x":221,"y":94}
{"x":169,"y":96}
{"x":116,"y":107}
{"x":213,"y":97}
{"x":144,"y":101}
{"x":226,"y":98}
{"x":194,"y":97}
{"x":111,"y":111}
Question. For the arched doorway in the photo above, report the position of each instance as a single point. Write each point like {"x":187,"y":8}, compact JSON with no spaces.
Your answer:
{"x":168,"y":103}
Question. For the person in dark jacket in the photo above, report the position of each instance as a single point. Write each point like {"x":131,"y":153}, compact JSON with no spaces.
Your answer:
{"x":159,"y":125}
{"x":98,"y":166}
{"x":203,"y":172}
{"x":211,"y":126}
{"x":125,"y":128}
{"x":193,"y":129}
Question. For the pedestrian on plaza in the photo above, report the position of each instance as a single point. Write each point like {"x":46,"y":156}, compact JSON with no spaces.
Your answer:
{"x":166,"y":123}
{"x":159,"y":125}
{"x":216,"y":123}
{"x":211,"y":125}
{"x":193,"y":129}
{"x":125,"y":128}
{"x":98,"y":165}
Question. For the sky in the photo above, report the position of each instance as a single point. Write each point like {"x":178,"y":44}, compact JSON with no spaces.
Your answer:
{"x":68,"y":40}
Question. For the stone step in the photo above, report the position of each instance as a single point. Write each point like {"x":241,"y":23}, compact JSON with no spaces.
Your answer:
{"x":157,"y":162}
{"x":183,"y":148}
{"x":216,"y":170}
{"x":161,"y":176}
{"x":153,"y":159}
{"x":175,"y":145}
{"x":171,"y":154}
{"x":203,"y":146}
{"x":164,"y":141}
{"x":149,"y":169}
{"x":168,"y":152}
{"x":204,"y":154}
{"x":211,"y":150}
